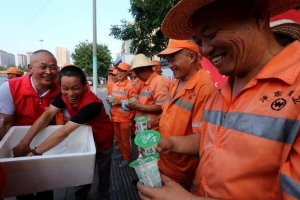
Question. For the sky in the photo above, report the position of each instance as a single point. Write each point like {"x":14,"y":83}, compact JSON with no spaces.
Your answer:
{"x":58,"y":23}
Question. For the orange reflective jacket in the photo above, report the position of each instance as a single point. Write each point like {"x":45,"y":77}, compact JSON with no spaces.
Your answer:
{"x":250,"y":146}
{"x":154,"y":91}
{"x":122,"y":90}
{"x":181,"y":116}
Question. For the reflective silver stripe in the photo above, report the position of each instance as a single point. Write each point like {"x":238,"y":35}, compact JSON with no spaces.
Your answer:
{"x":160,"y":101}
{"x":289,"y":186}
{"x":146,"y":94}
{"x":169,"y":97}
{"x":120,"y":92}
{"x":272,"y":128}
{"x":185,"y":105}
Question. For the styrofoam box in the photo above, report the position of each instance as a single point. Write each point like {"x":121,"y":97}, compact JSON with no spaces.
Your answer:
{"x":70,"y":163}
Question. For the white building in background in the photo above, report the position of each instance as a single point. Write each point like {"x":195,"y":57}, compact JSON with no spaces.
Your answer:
{"x":7,"y":59}
{"x":125,"y":54}
{"x":22,"y":60}
{"x":28,"y":55}
{"x":62,"y":55}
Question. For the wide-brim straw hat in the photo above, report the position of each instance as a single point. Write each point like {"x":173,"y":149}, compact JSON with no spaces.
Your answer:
{"x":140,"y":60}
{"x":286,"y":27}
{"x":177,"y":23}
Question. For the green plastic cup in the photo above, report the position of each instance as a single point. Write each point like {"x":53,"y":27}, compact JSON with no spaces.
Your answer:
{"x":141,"y":122}
{"x":147,"y":141}
{"x":132,"y":99}
{"x":147,"y":170}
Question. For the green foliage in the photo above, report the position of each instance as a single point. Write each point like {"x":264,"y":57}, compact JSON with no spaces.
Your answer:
{"x":83,"y":58}
{"x":144,"y":32}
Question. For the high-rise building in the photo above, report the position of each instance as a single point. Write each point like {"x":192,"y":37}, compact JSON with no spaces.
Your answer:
{"x":62,"y":56}
{"x":7,"y":59}
{"x":28,"y":55}
{"x":22,"y":60}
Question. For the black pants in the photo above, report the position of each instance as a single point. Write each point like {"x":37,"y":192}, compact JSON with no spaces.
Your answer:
{"x":47,"y":195}
{"x":103,"y":162}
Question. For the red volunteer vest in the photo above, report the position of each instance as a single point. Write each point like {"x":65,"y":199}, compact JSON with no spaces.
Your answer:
{"x":102,"y":126}
{"x":29,"y":106}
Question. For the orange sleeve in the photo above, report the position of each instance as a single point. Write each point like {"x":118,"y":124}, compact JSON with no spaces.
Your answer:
{"x":131,"y":92}
{"x":290,"y":171}
{"x":161,"y":91}
{"x":204,"y":93}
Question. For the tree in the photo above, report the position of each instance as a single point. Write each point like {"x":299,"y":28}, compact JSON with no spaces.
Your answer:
{"x":83,"y":58}
{"x":145,"y":31}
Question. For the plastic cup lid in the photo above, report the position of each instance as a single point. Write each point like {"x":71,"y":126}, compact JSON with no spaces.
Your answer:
{"x":141,"y":118}
{"x":145,"y":159}
{"x":147,"y":138}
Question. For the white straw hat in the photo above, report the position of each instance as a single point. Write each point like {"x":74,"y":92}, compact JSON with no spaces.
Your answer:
{"x":140,"y":60}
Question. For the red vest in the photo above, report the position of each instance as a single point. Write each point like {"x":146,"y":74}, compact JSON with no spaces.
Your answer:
{"x":102,"y":126}
{"x":2,"y":178}
{"x":29,"y":106}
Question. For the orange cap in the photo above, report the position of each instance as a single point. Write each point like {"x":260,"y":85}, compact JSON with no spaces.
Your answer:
{"x":123,"y":66}
{"x":111,"y":69}
{"x":177,"y":45}
{"x":12,"y":70}
{"x":156,"y":63}
{"x":114,"y":72}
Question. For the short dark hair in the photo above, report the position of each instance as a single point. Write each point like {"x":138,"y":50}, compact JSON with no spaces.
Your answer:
{"x":73,"y":70}
{"x":43,"y":51}
{"x":32,"y":57}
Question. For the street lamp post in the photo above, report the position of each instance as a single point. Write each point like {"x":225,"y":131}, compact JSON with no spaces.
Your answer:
{"x":41,"y":43}
{"x":95,"y":75}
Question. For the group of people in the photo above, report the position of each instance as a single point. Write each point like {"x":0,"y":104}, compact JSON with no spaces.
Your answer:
{"x":173,"y":108}
{"x":248,"y":142}
{"x":39,"y":92}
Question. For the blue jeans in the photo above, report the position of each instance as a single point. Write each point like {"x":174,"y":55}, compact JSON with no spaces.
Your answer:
{"x":103,"y":162}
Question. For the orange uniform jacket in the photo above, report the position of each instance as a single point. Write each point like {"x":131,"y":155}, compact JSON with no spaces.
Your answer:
{"x":122,"y":90}
{"x":154,"y":91}
{"x":250,"y":146}
{"x":137,"y":85}
{"x":110,"y":84}
{"x":181,"y":116}
{"x":28,"y":104}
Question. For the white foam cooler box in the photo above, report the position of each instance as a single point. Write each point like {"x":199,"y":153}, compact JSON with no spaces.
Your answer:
{"x":70,"y":163}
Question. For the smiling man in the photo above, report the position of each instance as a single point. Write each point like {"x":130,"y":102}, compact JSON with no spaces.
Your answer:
{"x":19,"y":97}
{"x":249,"y":146}
{"x":84,"y":107}
{"x":183,"y":111}
{"x":23,"y":100}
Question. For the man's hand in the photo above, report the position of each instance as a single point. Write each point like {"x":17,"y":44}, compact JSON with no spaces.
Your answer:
{"x":164,"y":146}
{"x":21,"y":150}
{"x":135,"y":105}
{"x":169,"y":191}
{"x":116,"y":101}
{"x":153,"y":123}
